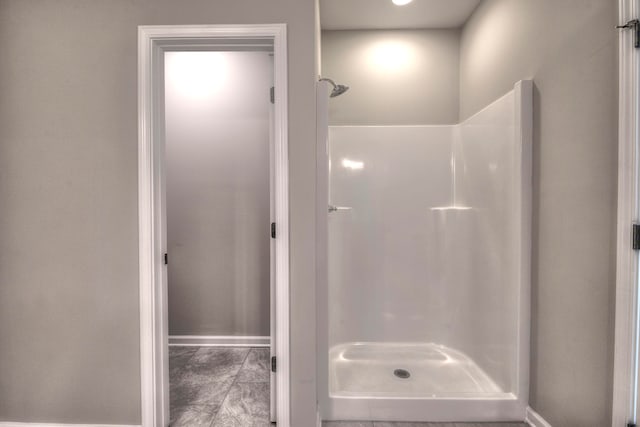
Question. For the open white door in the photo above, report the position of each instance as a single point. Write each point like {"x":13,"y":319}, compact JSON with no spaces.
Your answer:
{"x":272,"y":319}
{"x":626,"y":399}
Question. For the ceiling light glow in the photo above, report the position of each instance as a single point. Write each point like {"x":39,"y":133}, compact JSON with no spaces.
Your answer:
{"x":401,"y":2}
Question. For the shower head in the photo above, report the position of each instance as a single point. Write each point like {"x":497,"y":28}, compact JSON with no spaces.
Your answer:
{"x":337,"y":89}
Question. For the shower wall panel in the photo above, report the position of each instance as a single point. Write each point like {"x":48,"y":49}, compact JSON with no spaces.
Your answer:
{"x":427,"y":247}
{"x":383,"y":274}
{"x":487,"y":167}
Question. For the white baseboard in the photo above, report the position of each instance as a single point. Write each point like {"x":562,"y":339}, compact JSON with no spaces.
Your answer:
{"x":16,"y":424}
{"x":534,"y":419}
{"x":218,"y":341}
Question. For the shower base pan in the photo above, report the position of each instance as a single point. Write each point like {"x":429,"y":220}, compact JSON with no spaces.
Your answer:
{"x":422,"y":381}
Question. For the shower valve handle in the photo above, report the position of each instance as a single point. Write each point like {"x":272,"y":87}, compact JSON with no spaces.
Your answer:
{"x":338,"y":208}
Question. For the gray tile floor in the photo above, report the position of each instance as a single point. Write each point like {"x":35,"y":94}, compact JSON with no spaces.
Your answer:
{"x":219,"y":387}
{"x":229,"y":387}
{"x":388,"y":424}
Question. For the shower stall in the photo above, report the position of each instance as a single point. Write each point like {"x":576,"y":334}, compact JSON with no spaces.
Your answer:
{"x":424,"y":266}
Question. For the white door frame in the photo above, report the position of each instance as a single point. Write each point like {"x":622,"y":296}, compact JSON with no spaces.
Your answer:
{"x":626,"y":311}
{"x":153,"y":41}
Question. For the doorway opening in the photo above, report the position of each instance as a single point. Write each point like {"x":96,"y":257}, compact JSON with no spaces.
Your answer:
{"x":213,"y":210}
{"x":217,"y":114}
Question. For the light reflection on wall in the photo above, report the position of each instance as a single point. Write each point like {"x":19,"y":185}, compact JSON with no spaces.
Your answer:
{"x":197,"y":74}
{"x":397,"y":77}
{"x":352,"y":164}
{"x":391,"y":57}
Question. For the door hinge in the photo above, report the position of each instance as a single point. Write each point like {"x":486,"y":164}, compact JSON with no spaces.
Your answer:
{"x":273,"y":230}
{"x":634,"y":25}
{"x":635,"y":238}
{"x":272,"y":95}
{"x":273,"y":363}
{"x":166,"y":259}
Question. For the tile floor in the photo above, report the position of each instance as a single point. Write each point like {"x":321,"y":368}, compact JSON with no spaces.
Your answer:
{"x":229,"y":387}
{"x":219,"y":387}
{"x":388,"y":424}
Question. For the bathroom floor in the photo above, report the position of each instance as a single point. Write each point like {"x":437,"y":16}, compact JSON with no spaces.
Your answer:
{"x":219,"y":387}
{"x":229,"y":387}
{"x":388,"y":424}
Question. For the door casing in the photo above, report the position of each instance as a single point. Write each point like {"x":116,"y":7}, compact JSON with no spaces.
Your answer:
{"x":625,"y":375}
{"x":153,"y":41}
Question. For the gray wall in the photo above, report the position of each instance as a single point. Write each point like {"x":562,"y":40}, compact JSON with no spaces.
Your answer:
{"x":69,"y":321}
{"x":217,"y":145}
{"x":569,"y":48}
{"x":397,"y":77}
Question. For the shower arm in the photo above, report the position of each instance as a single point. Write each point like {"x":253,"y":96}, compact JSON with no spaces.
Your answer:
{"x":325,"y":79}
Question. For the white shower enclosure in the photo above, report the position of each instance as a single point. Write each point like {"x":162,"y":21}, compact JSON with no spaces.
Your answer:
{"x":424,"y":267}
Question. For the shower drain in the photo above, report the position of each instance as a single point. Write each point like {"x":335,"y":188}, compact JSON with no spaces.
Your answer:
{"x":402,"y":373}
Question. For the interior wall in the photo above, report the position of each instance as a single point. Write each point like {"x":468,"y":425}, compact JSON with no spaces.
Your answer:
{"x":69,"y":318}
{"x":396,"y":77}
{"x":318,"y":38}
{"x":218,"y":196}
{"x":569,"y":49}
